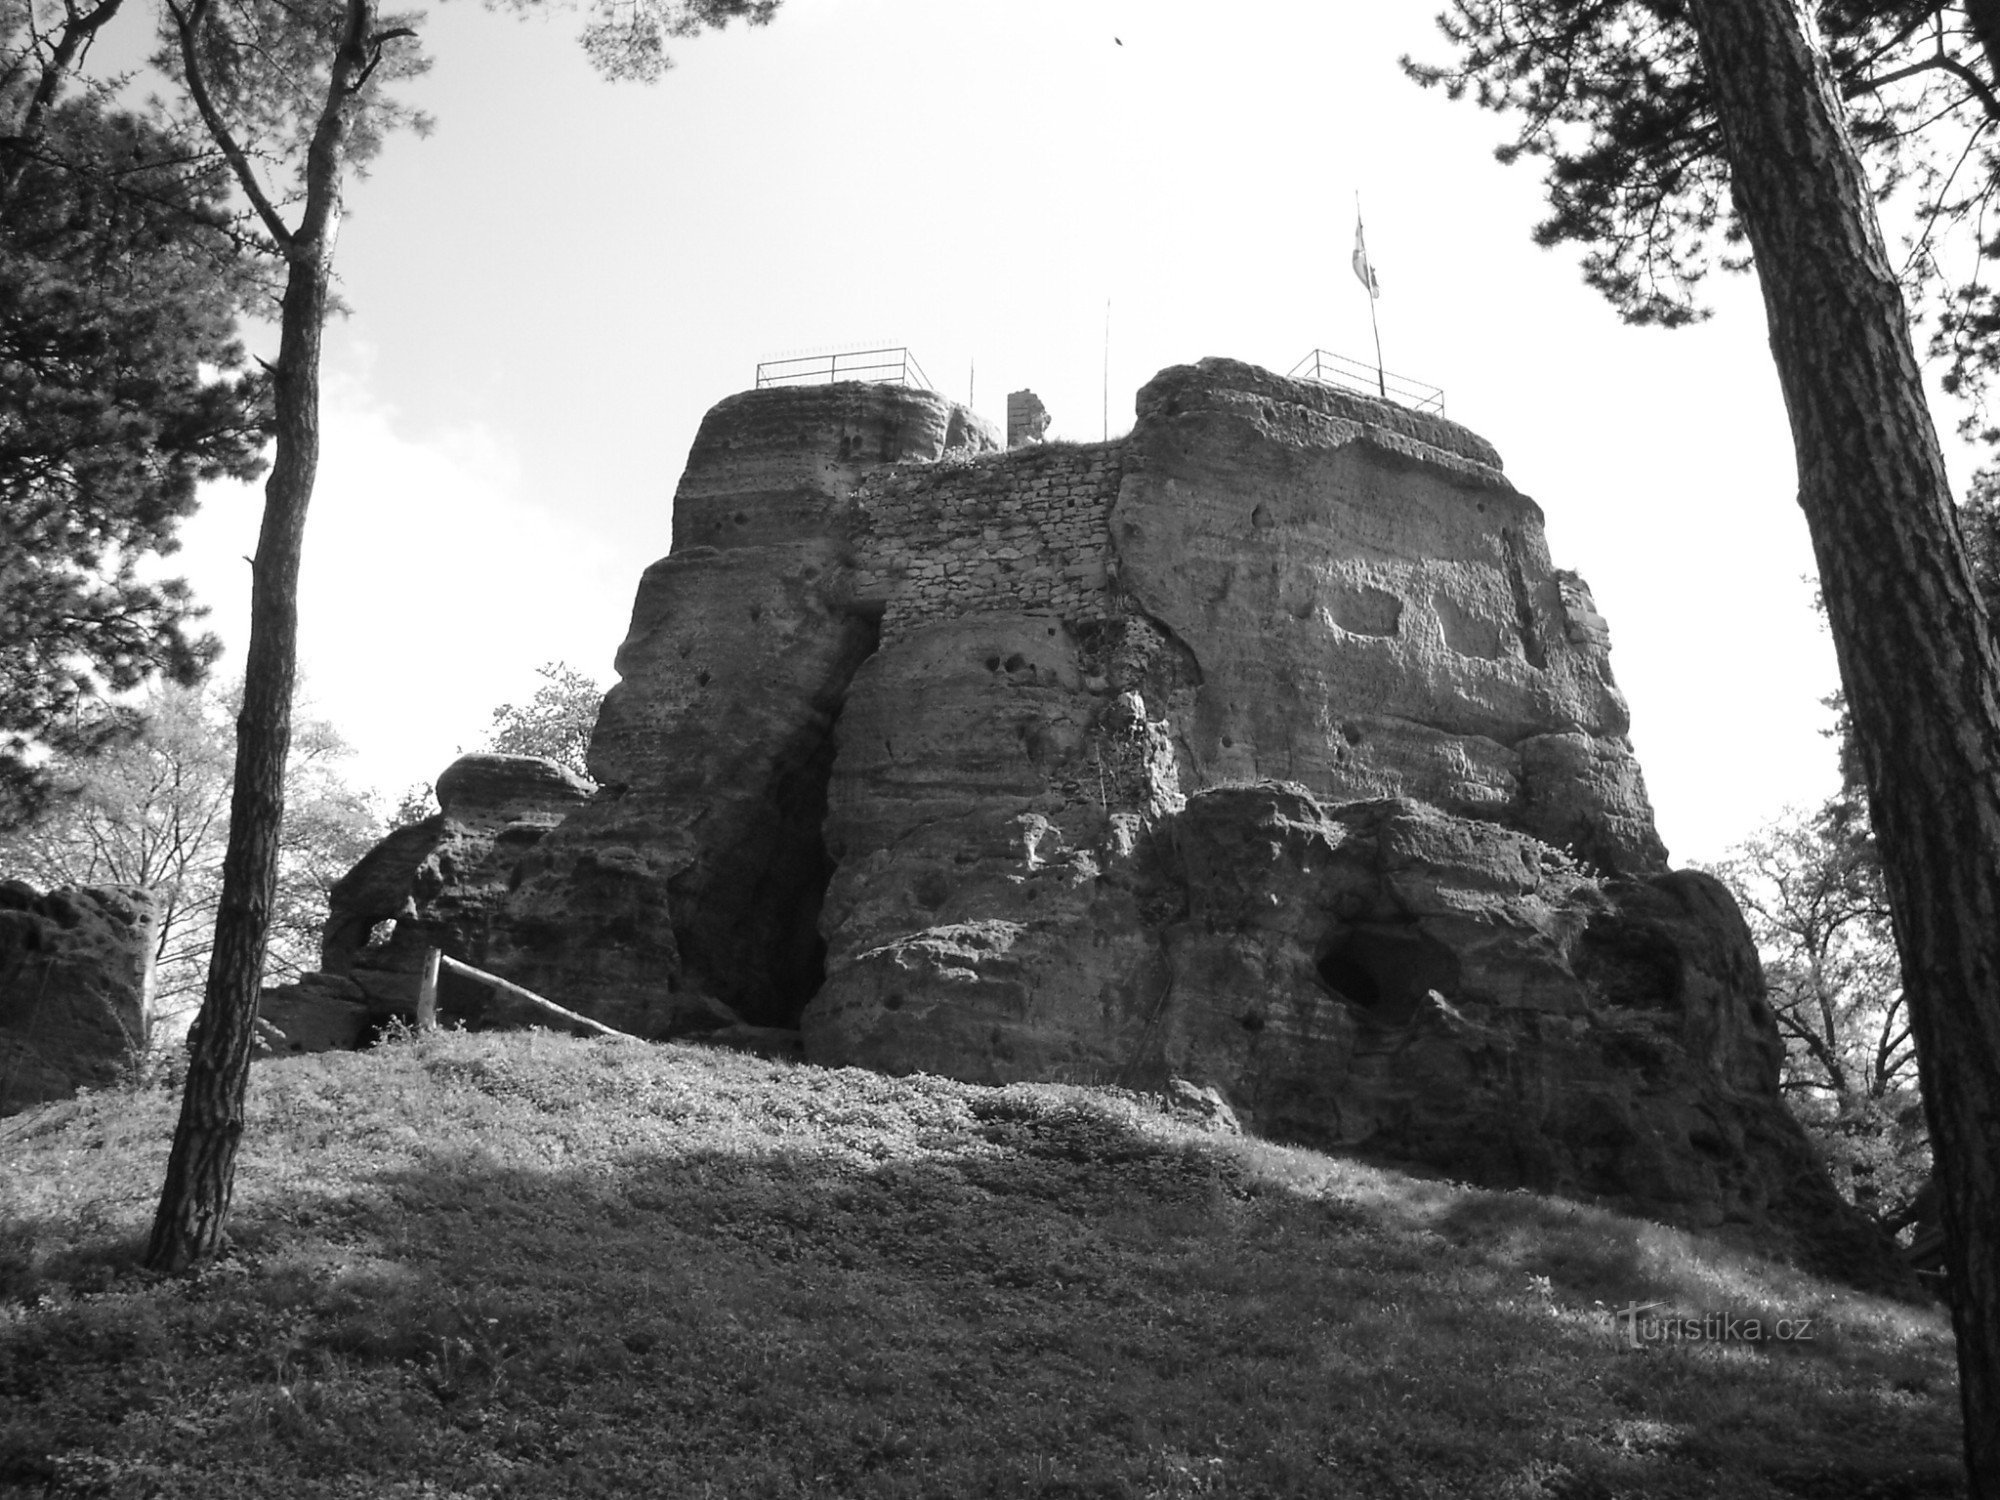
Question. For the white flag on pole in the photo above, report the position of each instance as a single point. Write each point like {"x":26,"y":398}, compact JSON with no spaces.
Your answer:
{"x":1362,"y":270}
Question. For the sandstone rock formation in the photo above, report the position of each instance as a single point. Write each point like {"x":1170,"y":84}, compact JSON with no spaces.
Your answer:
{"x":693,"y":880}
{"x":437,"y":883}
{"x":1263,"y":750}
{"x":76,"y":988}
{"x":320,"y":1013}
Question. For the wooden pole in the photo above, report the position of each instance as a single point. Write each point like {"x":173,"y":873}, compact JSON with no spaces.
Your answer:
{"x":427,"y":992}
{"x":508,"y":987}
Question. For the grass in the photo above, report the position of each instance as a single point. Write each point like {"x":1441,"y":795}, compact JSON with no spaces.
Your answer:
{"x":521,"y":1264}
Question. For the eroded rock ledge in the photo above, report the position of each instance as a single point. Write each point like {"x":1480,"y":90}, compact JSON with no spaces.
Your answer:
{"x":1264,"y":748}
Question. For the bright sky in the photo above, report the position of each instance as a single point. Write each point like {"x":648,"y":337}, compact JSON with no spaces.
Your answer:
{"x":552,"y":289}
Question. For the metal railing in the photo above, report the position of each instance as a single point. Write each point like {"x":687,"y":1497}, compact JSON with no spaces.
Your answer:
{"x":1352,"y":375}
{"x":882,"y":366}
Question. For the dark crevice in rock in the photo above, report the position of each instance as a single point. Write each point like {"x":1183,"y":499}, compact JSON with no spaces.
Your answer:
{"x":1385,"y":970}
{"x":747,"y":915}
{"x":1524,"y":604}
{"x":1629,"y":964}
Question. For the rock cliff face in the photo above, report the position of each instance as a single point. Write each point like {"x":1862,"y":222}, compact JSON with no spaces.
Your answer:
{"x":695,"y":876}
{"x":1372,"y":611}
{"x":1264,"y":749}
{"x":76,"y":988}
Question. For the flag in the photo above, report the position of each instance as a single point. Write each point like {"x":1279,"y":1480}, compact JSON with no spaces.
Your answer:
{"x":1362,"y":269}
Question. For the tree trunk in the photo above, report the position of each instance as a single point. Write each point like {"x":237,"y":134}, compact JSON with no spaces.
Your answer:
{"x":1916,"y":653}
{"x":201,"y":1171}
{"x":194,"y":1201}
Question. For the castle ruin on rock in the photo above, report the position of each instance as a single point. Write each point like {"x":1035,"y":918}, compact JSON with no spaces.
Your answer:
{"x":1263,"y":747}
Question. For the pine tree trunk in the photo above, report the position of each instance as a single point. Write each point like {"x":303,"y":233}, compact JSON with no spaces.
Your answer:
{"x":1916,"y":652}
{"x":201,"y":1171}
{"x":194,"y":1202}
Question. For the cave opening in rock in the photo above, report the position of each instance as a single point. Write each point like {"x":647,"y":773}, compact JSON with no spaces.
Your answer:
{"x":1385,"y":970}
{"x":746,"y":917}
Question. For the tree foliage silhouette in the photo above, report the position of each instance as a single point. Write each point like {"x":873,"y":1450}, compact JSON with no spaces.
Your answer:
{"x":120,"y":287}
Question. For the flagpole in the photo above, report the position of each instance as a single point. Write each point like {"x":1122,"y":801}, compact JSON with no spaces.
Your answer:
{"x":1374,"y":323}
{"x":1381,"y":381}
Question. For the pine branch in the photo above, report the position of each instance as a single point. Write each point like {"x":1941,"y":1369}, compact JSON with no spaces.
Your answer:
{"x":187,"y":25}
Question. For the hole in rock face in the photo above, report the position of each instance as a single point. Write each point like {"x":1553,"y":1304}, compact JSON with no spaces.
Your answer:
{"x":1628,"y":964}
{"x":930,"y":890}
{"x":1467,"y":631}
{"x":1251,"y":1022}
{"x":1348,"y":978}
{"x":1386,"y":970}
{"x":1363,"y":609}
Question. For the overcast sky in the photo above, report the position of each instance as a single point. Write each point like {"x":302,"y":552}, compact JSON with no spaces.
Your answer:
{"x":550,"y":290}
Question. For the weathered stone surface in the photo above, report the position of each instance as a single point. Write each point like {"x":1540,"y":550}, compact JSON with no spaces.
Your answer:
{"x":1027,"y":418}
{"x":438,"y":883}
{"x":1378,"y":976}
{"x":497,"y":792}
{"x":699,"y":870}
{"x":1205,"y":1105}
{"x":76,"y":986}
{"x":1371,"y":605}
{"x":321,"y":1013}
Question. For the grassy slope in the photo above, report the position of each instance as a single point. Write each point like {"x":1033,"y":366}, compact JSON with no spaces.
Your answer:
{"x":528,"y":1265}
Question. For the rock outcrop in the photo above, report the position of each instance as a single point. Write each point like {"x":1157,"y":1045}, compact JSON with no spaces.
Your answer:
{"x":1378,"y":975}
{"x":434,"y":884}
{"x":687,"y":892}
{"x":1264,"y":750}
{"x":76,"y":988}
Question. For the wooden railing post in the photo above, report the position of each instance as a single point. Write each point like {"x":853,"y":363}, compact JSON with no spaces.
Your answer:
{"x":427,"y":993}
{"x":508,"y":987}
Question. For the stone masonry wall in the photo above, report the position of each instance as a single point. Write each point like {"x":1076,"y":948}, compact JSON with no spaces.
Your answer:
{"x":1022,"y":530}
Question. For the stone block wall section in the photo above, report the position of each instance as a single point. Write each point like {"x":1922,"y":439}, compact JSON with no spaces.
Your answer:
{"x":1026,"y":530}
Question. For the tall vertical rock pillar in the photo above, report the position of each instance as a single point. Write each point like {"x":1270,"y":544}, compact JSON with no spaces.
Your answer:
{"x":695,"y":874}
